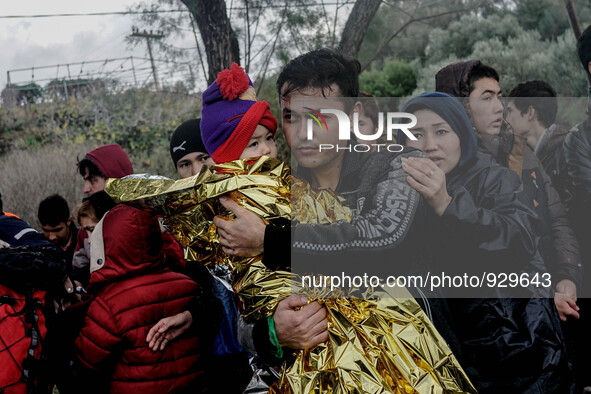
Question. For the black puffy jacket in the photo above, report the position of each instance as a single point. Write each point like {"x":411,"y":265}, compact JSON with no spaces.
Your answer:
{"x":509,"y":341}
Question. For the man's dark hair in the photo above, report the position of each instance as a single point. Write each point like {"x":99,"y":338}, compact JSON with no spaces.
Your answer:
{"x":525,"y":94}
{"x":320,"y":69}
{"x":53,"y":210}
{"x":93,"y":169}
{"x":584,"y":48}
{"x":480,"y":71}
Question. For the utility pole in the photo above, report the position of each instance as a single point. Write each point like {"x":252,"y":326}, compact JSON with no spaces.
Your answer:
{"x":133,"y":69}
{"x":148,"y":36}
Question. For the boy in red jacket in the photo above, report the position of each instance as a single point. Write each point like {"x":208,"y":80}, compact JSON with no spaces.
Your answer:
{"x":133,"y":289}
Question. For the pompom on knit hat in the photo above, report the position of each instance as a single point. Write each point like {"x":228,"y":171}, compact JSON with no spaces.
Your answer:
{"x":230,"y":114}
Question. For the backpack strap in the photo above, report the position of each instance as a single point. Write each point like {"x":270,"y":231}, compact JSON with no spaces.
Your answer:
{"x":8,"y":300}
{"x":31,"y":363}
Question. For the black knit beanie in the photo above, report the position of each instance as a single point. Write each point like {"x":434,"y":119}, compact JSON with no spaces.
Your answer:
{"x":186,"y":139}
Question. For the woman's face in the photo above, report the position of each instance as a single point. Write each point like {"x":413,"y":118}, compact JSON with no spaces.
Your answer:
{"x":437,"y":139}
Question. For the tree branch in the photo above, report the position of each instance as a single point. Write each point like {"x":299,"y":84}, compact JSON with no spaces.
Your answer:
{"x":401,"y":29}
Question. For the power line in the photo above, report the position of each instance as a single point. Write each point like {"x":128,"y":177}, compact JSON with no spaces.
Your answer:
{"x":165,"y":11}
{"x":90,"y":14}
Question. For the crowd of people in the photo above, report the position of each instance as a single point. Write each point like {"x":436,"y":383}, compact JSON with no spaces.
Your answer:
{"x":485,"y":184}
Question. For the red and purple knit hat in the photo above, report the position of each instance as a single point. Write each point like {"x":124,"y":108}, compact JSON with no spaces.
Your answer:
{"x":230,"y":114}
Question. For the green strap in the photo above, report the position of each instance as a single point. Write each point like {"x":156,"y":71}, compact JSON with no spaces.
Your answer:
{"x":278,"y":353}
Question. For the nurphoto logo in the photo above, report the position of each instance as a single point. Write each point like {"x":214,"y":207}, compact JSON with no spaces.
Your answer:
{"x":392,"y":123}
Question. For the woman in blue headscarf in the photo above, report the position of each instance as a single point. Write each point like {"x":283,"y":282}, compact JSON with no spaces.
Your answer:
{"x":510,"y":341}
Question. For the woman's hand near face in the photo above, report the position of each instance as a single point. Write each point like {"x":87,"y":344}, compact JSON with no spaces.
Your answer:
{"x":429,"y":180}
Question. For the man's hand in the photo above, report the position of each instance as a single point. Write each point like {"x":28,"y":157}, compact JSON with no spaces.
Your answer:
{"x":168,"y":329}
{"x":243,"y":236}
{"x":565,"y":299}
{"x":300,"y":328}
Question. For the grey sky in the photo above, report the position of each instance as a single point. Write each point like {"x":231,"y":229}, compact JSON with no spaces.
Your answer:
{"x":36,"y":42}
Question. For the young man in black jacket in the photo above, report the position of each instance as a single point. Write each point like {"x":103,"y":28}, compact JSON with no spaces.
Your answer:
{"x":57,"y":224}
{"x":577,"y":150}
{"x":478,"y":84}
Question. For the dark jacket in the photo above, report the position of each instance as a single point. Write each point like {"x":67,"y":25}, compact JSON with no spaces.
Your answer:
{"x":385,"y":237}
{"x":508,"y":344}
{"x":577,"y":149}
{"x":558,"y":245}
{"x":133,"y":290}
{"x":511,"y":340}
{"x":16,"y":232}
{"x":550,"y":152}
{"x":486,"y":224}
{"x":371,"y":183}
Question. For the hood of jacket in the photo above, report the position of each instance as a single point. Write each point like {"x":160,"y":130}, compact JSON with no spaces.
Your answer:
{"x":111,"y":160}
{"x":453,"y":79}
{"x":454,"y":113}
{"x":125,"y":243}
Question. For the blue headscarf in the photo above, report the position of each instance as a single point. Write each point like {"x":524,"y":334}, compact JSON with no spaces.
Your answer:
{"x":454,"y":113}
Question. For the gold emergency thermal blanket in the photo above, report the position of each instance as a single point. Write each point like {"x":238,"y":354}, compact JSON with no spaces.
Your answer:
{"x":379,"y":342}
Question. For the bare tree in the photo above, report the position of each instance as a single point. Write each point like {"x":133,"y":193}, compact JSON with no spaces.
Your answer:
{"x":357,"y":24}
{"x":219,"y":39}
{"x":266,"y":33}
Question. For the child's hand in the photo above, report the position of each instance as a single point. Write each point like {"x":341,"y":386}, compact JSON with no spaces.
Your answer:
{"x":243,"y":236}
{"x":168,"y":329}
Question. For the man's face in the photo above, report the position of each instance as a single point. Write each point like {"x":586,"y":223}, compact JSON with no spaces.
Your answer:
{"x":486,"y":108}
{"x":295,"y":123}
{"x":92,"y":184}
{"x":518,"y":121}
{"x":58,"y":235}
{"x":191,"y":164}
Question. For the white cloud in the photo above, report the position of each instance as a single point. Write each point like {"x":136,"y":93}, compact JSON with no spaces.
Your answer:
{"x":35,"y":42}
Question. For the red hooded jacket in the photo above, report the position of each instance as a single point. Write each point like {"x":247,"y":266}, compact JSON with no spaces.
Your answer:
{"x":134,"y":290}
{"x":111,"y":160}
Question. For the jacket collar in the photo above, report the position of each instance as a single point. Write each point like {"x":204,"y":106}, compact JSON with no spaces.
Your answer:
{"x":97,"y":247}
{"x":348,"y":180}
